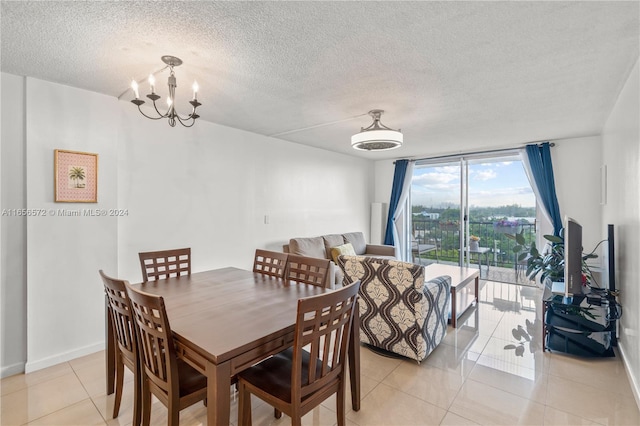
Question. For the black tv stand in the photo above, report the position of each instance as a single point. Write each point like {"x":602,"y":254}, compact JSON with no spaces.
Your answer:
{"x":582,"y":325}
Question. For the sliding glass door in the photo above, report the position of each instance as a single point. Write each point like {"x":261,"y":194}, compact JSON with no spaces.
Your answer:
{"x":467,"y":210}
{"x":436,"y":207}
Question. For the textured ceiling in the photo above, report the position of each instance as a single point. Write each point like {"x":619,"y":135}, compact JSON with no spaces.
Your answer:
{"x":452,"y":75}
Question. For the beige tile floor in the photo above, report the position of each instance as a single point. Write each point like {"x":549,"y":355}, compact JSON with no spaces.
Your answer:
{"x":469,"y":379}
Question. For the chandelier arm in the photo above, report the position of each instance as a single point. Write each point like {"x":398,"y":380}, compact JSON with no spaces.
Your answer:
{"x":165,"y":115}
{"x":188,"y":117}
{"x":152,"y":118}
{"x":193,"y":121}
{"x":193,"y":116}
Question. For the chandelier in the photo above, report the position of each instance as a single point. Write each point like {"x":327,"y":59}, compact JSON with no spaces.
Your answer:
{"x":376,"y":137}
{"x":171,"y":114}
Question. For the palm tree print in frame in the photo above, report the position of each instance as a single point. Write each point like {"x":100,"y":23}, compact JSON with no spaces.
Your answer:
{"x":76,"y":177}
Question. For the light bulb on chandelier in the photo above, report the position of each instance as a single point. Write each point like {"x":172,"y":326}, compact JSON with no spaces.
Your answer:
{"x":171,"y":114}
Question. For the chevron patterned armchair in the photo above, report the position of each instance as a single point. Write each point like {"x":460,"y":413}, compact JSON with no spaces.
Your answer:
{"x":399,"y":311}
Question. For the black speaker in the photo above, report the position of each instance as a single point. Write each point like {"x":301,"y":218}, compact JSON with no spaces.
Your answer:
{"x":612,"y":280}
{"x":612,"y":258}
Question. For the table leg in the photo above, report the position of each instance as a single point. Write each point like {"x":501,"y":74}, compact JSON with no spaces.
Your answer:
{"x":218,"y":393}
{"x":454,"y":314}
{"x":354,"y":360}
{"x":110,"y":350}
{"x":477,"y":285}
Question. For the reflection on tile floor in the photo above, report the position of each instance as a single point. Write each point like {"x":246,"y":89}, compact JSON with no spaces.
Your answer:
{"x":491,"y":371}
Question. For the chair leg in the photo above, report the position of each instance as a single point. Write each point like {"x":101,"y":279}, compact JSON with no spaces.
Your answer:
{"x":296,"y":417}
{"x":174,"y":412}
{"x":244,"y":405}
{"x":340,"y":405}
{"x":146,"y":402}
{"x":277,"y":413}
{"x":118,"y":385}
{"x":137,"y":398}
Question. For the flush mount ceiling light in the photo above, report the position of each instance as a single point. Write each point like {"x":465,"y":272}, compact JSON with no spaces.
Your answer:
{"x":376,"y":137}
{"x":171,"y":114}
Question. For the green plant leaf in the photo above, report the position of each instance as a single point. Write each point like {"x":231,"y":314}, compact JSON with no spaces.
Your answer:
{"x":554,"y":239}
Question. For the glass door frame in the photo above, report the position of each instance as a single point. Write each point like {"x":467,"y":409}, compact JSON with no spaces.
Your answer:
{"x":463,"y":161}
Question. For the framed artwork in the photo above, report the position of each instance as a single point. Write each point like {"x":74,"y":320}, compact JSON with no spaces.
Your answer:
{"x":76,"y":177}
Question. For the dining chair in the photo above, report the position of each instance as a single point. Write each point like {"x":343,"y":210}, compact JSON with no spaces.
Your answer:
{"x":309,"y":270}
{"x":298,"y":379}
{"x":271,"y":263}
{"x":127,"y":347}
{"x":164,"y":264}
{"x":170,"y":379}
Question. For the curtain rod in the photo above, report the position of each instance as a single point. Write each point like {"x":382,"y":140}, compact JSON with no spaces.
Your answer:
{"x":490,"y":151}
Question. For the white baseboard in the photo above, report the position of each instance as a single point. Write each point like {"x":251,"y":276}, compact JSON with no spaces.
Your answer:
{"x":63,"y":357}
{"x":10,"y":370}
{"x":635,"y":385}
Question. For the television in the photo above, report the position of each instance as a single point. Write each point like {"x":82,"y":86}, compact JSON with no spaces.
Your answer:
{"x":572,"y":257}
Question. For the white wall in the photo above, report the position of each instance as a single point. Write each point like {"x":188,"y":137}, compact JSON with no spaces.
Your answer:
{"x":13,"y":297}
{"x":621,"y":155}
{"x":576,"y":169}
{"x":383,"y":171}
{"x":208,"y":187}
{"x":65,"y":297}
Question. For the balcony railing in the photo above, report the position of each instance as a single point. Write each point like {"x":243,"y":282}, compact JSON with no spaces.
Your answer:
{"x":445,"y":236}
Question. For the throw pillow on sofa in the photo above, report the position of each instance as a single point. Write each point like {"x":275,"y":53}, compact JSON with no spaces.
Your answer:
{"x":332,"y":240}
{"x":344,"y":249}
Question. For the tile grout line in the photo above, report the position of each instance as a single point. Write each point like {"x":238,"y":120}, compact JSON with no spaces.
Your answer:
{"x":87,"y":391}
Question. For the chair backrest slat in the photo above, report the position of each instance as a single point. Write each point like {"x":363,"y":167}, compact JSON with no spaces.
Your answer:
{"x":323,"y":328}
{"x":162,"y":264}
{"x":121,"y":315}
{"x":271,"y":263}
{"x":156,"y":341}
{"x":309,"y":270}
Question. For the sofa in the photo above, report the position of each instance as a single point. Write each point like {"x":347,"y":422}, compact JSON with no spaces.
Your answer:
{"x":399,"y":311}
{"x":321,"y":247}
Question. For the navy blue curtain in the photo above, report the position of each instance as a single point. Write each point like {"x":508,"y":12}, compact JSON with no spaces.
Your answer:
{"x":541,"y":167}
{"x":396,"y":191}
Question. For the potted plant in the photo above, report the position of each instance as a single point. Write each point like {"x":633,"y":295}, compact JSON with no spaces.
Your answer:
{"x":549,"y":265}
{"x":473,"y":242}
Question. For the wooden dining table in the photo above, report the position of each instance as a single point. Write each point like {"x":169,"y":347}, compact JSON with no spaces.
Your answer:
{"x":225,"y":320}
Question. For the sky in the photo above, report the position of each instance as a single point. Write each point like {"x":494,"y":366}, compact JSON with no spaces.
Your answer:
{"x":491,"y":183}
